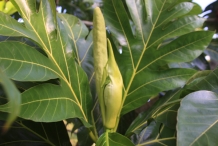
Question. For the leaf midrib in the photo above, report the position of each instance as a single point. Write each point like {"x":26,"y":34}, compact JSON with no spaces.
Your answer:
{"x":32,"y":63}
{"x":170,"y":53}
{"x":156,"y":81}
{"x":52,"y":58}
{"x":145,"y":45}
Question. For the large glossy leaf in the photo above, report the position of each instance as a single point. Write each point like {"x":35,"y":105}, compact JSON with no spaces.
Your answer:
{"x":165,"y":103}
{"x":198,"y":119}
{"x":115,"y":139}
{"x":72,"y":96}
{"x":14,"y":100}
{"x":27,"y":133}
{"x":140,"y":29}
{"x":153,"y":83}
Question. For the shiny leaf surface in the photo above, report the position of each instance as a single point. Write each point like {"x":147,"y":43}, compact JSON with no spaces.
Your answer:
{"x":21,"y":62}
{"x":141,"y":29}
{"x":198,"y":119}
{"x":72,"y":96}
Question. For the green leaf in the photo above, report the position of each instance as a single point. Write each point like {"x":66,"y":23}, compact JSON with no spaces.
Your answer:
{"x":198,"y":119}
{"x":157,"y":134}
{"x":50,"y":104}
{"x":196,"y":10}
{"x":35,"y":133}
{"x":14,"y":100}
{"x":140,"y":29}
{"x":81,"y":40}
{"x":21,"y":62}
{"x":155,"y":82}
{"x":208,"y":82}
{"x":77,"y":32}
{"x":48,"y":31}
{"x":164,"y":104}
{"x":159,"y":109}
{"x":113,"y":139}
{"x":9,"y":29}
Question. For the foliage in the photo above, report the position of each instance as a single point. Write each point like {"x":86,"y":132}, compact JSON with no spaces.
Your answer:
{"x":49,"y":58}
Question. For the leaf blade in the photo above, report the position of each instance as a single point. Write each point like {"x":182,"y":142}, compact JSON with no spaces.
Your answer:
{"x":193,"y":124}
{"x":48,"y":31}
{"x":21,"y":62}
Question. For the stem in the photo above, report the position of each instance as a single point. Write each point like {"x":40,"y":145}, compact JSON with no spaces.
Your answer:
{"x":107,"y":140}
{"x":93,"y":137}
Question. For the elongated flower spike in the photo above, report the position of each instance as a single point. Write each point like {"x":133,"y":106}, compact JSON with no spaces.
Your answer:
{"x":99,"y":53}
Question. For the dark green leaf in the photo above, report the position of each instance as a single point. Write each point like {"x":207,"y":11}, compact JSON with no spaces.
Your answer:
{"x":27,"y":133}
{"x":159,"y":109}
{"x":156,"y":134}
{"x":153,"y":83}
{"x":84,"y":138}
{"x":198,"y":77}
{"x":208,"y":82}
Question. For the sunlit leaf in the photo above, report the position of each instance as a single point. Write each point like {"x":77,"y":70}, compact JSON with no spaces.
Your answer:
{"x":158,"y":81}
{"x":72,"y":96}
{"x":140,"y":29}
{"x":21,"y":62}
